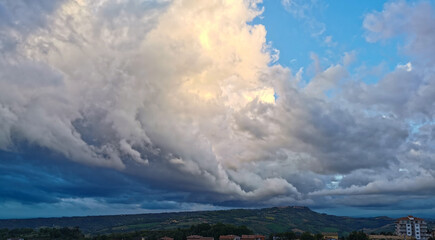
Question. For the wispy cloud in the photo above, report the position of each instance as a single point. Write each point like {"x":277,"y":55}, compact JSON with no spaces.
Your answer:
{"x":304,"y":11}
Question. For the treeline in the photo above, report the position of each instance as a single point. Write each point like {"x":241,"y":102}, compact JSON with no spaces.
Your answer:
{"x":203,"y":229}
{"x":293,"y":236}
{"x":355,"y":235}
{"x":206,"y":230}
{"x":74,"y":233}
{"x":43,"y":233}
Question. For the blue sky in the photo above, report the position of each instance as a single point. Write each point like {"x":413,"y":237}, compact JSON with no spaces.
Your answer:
{"x":153,"y":106}
{"x":341,"y":22}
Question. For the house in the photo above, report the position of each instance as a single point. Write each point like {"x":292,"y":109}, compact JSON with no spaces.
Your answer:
{"x":197,"y":237}
{"x":229,"y":237}
{"x":252,"y":237}
{"x":330,"y":236}
{"x":193,"y":237}
{"x":390,"y":237}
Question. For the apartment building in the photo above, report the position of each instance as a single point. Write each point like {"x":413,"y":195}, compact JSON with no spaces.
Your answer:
{"x":413,"y":227}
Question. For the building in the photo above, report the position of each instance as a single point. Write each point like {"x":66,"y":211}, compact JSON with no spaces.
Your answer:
{"x":197,"y":237}
{"x":390,"y":237}
{"x":252,"y":237}
{"x":330,"y":236}
{"x":412,"y":227}
{"x":229,"y":237}
{"x":166,"y":238}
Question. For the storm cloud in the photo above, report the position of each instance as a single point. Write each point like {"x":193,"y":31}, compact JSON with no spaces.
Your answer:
{"x":181,"y":105}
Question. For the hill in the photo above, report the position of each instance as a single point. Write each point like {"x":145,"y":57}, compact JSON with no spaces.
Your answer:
{"x":262,"y":221}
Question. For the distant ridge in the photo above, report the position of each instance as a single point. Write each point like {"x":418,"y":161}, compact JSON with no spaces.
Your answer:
{"x":262,"y":221}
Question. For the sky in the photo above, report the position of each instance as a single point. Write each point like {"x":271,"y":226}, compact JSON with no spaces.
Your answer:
{"x":140,"y":106}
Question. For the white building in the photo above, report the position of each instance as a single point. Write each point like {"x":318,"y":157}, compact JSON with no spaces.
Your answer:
{"x":413,"y":227}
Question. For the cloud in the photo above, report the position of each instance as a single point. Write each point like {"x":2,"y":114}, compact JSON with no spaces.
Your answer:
{"x":179,"y":100}
{"x":414,"y":23}
{"x":304,"y":10}
{"x":401,"y":96}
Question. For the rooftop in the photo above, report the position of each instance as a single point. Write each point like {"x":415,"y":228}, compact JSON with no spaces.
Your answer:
{"x":410,"y":218}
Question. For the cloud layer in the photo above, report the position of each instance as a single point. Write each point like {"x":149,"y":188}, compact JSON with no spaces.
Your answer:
{"x":182,"y":100}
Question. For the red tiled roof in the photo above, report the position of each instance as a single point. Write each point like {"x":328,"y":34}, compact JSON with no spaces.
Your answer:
{"x":253,"y":236}
{"x":197,"y":237}
{"x":166,"y":238}
{"x":228,"y":236}
{"x":409,"y":218}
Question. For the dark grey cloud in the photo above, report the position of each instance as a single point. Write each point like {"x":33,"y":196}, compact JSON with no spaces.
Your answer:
{"x":46,"y":177}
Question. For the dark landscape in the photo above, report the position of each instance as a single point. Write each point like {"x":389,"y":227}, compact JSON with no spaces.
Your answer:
{"x":261,"y":221}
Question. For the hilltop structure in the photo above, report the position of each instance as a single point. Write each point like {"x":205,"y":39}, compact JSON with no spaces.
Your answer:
{"x":413,"y":227}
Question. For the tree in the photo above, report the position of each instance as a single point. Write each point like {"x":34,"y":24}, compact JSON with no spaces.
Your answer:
{"x":357,"y":236}
{"x":307,"y":236}
{"x":318,"y":236}
{"x":284,"y":236}
{"x":290,"y":235}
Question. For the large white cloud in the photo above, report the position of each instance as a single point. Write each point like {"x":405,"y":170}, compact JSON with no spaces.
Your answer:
{"x":183,"y":95}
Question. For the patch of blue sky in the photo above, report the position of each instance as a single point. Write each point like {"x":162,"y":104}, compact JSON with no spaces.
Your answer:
{"x":334,"y":184}
{"x":287,"y":34}
{"x":343,"y":32}
{"x":416,"y":125}
{"x":275,"y":95}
